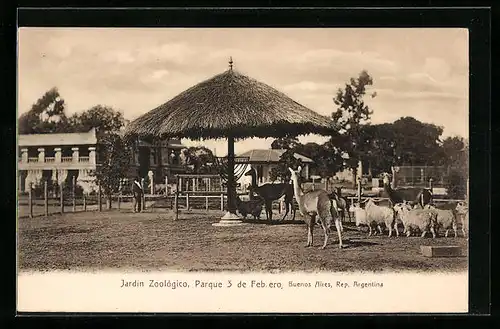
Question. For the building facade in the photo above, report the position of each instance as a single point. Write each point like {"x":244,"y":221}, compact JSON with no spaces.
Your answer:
{"x":264,"y":160}
{"x":60,"y":157}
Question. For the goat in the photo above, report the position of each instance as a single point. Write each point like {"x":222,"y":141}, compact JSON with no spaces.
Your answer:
{"x":446,"y":218}
{"x":270,"y":192}
{"x":316,"y":206}
{"x":253,"y":207}
{"x":463,"y":211}
{"x":422,"y":219}
{"x":380,"y":215}
{"x":361,"y":218}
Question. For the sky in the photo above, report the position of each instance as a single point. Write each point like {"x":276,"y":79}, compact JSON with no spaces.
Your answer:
{"x":418,"y":72}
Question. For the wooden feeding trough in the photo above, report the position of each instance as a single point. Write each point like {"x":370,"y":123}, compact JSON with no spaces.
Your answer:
{"x":442,"y":251}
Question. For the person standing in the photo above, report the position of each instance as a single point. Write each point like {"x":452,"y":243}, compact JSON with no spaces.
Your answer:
{"x":138,"y":192}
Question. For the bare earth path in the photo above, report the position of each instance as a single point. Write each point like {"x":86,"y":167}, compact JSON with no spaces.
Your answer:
{"x":153,"y":241}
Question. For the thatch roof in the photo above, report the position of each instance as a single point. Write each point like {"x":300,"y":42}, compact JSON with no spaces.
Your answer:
{"x":229,"y":103}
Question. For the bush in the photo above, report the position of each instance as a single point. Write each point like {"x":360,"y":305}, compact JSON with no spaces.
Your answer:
{"x":456,"y":184}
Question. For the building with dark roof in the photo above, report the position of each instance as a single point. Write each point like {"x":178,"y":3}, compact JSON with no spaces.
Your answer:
{"x":264,"y":160}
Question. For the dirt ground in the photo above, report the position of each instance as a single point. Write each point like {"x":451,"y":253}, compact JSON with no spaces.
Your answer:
{"x":154,"y":241}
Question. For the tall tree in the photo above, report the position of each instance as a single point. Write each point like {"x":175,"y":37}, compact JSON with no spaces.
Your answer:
{"x":113,"y":154}
{"x":103,"y":118}
{"x":415,"y":143}
{"x":47,"y":115}
{"x":351,"y":115}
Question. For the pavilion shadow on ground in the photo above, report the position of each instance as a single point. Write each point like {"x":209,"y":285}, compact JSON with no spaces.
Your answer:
{"x":274,"y":222}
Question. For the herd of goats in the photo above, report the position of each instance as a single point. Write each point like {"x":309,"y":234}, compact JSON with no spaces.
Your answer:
{"x":318,"y":207}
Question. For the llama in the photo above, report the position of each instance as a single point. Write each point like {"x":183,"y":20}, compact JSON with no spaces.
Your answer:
{"x":316,"y":206}
{"x":420,"y":197}
{"x":342,"y":203}
{"x":270,"y":192}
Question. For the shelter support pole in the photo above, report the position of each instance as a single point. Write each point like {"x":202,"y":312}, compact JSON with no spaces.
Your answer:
{"x":230,"y":218}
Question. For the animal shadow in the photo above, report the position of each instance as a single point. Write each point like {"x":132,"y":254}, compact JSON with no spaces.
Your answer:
{"x":348,"y":244}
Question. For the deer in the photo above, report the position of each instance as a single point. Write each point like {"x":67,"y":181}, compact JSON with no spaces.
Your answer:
{"x":270,"y":192}
{"x":316,"y":206}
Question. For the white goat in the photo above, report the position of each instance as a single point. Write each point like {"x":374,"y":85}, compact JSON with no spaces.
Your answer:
{"x":463,"y":211}
{"x":421,"y":219}
{"x":361,"y":217}
{"x":445,"y":218}
{"x":380,"y":215}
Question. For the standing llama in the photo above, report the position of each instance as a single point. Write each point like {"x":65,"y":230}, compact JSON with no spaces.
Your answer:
{"x":342,"y":203}
{"x":415,"y":196}
{"x":316,"y":206}
{"x":270,"y":192}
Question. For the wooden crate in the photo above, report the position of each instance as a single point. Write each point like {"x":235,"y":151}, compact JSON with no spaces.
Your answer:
{"x":442,"y":251}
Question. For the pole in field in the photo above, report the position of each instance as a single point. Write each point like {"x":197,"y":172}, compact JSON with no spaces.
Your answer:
{"x":46,"y":198}
{"x":61,"y":196}
{"x":30,"y":200}
{"x":74,"y":193}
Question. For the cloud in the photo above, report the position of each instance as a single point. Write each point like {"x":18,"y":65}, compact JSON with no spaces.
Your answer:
{"x":138,"y":69}
{"x":117,"y":56}
{"x":422,"y":95}
{"x":310,"y":86}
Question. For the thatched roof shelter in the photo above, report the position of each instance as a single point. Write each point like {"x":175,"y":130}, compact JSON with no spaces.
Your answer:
{"x":233,"y":106}
{"x":229,"y":103}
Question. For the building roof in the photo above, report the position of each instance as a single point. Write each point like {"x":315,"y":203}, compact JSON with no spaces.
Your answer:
{"x":271,"y":155}
{"x":88,"y":138}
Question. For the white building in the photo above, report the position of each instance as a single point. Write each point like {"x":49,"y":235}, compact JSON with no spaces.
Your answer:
{"x":60,"y":157}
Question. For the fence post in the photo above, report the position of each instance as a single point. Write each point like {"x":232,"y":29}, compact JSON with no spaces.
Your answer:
{"x":222,"y":202}
{"x":84,"y":203}
{"x":206,"y":203}
{"x":99,"y":198}
{"x":74,"y":193}
{"x":359,"y":190}
{"x":430,"y":184}
{"x":143,"y":195}
{"x":61,"y":196}
{"x":30,"y":200}
{"x":176,"y":199}
{"x":119,"y":200}
{"x":187,"y":201}
{"x":46,"y":198}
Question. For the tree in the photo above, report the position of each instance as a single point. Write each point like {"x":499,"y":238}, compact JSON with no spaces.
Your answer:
{"x":113,"y":154}
{"x":281,"y":171}
{"x":198,"y":157}
{"x":285,"y":143}
{"x":47,"y":115}
{"x":351,"y":115}
{"x":455,"y":153}
{"x":327,"y":159}
{"x":103,"y":118}
{"x":415,"y":142}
